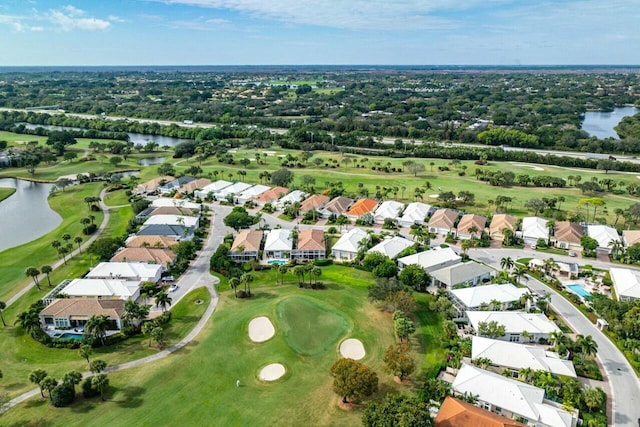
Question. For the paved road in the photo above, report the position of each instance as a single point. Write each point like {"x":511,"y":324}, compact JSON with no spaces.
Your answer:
{"x":624,"y":384}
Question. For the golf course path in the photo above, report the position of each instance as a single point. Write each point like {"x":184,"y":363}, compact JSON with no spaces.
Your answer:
{"x":199,"y":268}
{"x":57,"y":264}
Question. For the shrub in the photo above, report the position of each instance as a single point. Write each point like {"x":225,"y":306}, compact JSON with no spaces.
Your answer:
{"x":63,"y":395}
{"x":322,"y":262}
{"x":88,"y":390}
{"x":164,"y":318}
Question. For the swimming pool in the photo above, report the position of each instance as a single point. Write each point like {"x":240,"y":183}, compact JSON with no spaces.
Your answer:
{"x":277,"y":262}
{"x":579,"y":290}
{"x":69,"y":336}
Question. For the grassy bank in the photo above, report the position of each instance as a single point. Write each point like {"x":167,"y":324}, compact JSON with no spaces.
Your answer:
{"x":5,"y":193}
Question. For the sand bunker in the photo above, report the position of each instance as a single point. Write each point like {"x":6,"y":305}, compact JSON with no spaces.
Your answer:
{"x":524,"y":165}
{"x":434,"y":196}
{"x":272,"y":372}
{"x":261,"y":329}
{"x":352,"y":348}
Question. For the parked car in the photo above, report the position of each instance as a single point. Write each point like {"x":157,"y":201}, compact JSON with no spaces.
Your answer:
{"x":168,"y":279}
{"x":572,"y":253}
{"x":173,"y":288}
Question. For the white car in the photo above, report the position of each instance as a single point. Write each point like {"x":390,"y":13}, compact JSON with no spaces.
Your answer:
{"x":173,"y":288}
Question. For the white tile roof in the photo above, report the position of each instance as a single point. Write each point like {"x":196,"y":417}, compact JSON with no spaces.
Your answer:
{"x":626,"y":282}
{"x":535,"y":228}
{"x":388,"y":209}
{"x":214,"y":187}
{"x":461,"y":273}
{"x":348,"y":242}
{"x":514,"y":396}
{"x":122,"y":289}
{"x":186,"y":221}
{"x":167,"y":201}
{"x":415,"y":213}
{"x":604,"y":234}
{"x":278,"y":240}
{"x":431,"y":258}
{"x":254,"y":191}
{"x":514,"y":321}
{"x":477,"y":295}
{"x":126,"y":270}
{"x":392,"y":247}
{"x":517,"y":356}
{"x":234,"y":189}
{"x":294,"y":196}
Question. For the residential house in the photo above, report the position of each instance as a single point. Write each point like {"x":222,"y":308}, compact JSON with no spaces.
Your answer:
{"x":278,"y":244}
{"x":464,"y":273}
{"x":361,"y":208}
{"x":196,"y":184}
{"x":606,"y":236}
{"x":389,"y":209}
{"x":515,"y":356}
{"x":152,"y":185}
{"x":126,"y":289}
{"x":172,"y":210}
{"x":178,"y":232}
{"x":126,"y":271}
{"x":211,"y":189}
{"x":567,"y":235}
{"x":496,"y":297}
{"x":314,"y":203}
{"x":348,"y":245}
{"x":431,"y":260}
{"x":311,"y":245}
{"x":443,"y":221}
{"x":501,"y":222}
{"x":71,"y":313}
{"x":626,"y":283}
{"x":515,"y":323}
{"x":185,"y":221}
{"x":511,"y":398}
{"x":271,"y":196}
{"x":415,"y":213}
{"x":167,"y":201}
{"x":175,"y":184}
{"x":534,"y":228}
{"x":336,"y":206}
{"x":392,"y":246}
{"x":458,"y":413}
{"x":160,"y":242}
{"x":296,"y":196}
{"x":246,"y":246}
{"x":251,"y":193}
{"x":231,"y":191}
{"x":164,"y":257}
{"x":471,"y":225}
{"x":630,"y":237}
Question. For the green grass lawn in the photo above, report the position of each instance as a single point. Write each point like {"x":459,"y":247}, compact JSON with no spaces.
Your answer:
{"x":6,"y":193}
{"x":197,"y":384}
{"x":116,"y":198}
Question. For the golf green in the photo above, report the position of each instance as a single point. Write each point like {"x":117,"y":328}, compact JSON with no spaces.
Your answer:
{"x":308,"y":327}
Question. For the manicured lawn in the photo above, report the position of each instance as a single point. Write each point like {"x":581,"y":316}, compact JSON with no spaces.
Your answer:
{"x":308,"y":327}
{"x":196,"y":386}
{"x":429,"y":335}
{"x":119,"y":220}
{"x":6,"y":192}
{"x":116,"y":198}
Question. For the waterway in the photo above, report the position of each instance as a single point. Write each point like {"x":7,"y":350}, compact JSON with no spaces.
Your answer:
{"x":25,"y":215}
{"x":601,"y":123}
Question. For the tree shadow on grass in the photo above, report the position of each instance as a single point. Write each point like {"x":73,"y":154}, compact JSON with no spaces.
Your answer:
{"x":261,"y":295}
{"x":131,"y":397}
{"x":30,"y":423}
{"x":37,"y":402}
{"x":14,"y":386}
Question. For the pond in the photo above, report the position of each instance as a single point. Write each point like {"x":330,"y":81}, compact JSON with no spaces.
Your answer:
{"x":601,"y":123}
{"x":25,"y":215}
{"x":150,"y":161}
{"x":136,"y":138}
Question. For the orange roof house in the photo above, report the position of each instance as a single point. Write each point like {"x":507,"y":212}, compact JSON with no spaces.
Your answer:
{"x":151,"y":255}
{"x":456,"y":413}
{"x":194,"y":185}
{"x":471,"y":220}
{"x":362,"y":207}
{"x":311,"y":245}
{"x":152,"y":185}
{"x":315,"y":202}
{"x":567,"y":234}
{"x":271,"y":196}
{"x":501,"y":221}
{"x":151,"y":242}
{"x":442,"y":221}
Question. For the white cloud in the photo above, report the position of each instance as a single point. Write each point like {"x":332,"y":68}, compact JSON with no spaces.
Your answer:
{"x":113,"y":18}
{"x":72,"y":20}
{"x":73,"y":11}
{"x":202,"y":24}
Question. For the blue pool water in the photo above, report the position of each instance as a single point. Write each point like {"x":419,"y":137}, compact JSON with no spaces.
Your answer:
{"x":579,"y":290}
{"x":276,"y":262}
{"x":69,"y":336}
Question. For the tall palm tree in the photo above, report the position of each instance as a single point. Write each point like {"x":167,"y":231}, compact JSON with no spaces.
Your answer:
{"x":587,"y":344}
{"x":556,"y":338}
{"x":234,"y":282}
{"x":550,"y":265}
{"x":593,"y":398}
{"x":46,"y":269}
{"x":3,"y":305}
{"x":85,"y":222}
{"x":507,"y":263}
{"x":283,"y":270}
{"x":519,"y":272}
{"x":246,"y":279}
{"x":299,"y":272}
{"x":37,"y":377}
{"x":33,"y":273}
{"x":97,"y":326}
{"x":100,"y":382}
{"x":56,"y":245}
{"x":29,"y":321}
{"x":163,"y":300}
{"x":78,"y":240}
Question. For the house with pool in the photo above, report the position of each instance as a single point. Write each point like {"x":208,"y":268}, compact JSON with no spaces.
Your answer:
{"x":74,"y":313}
{"x":537,"y":325}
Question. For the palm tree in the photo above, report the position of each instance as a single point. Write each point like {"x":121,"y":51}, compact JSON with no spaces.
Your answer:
{"x":234,"y":282}
{"x":283,"y":270}
{"x":37,"y":377}
{"x":33,"y":273}
{"x":46,"y":269}
{"x":56,"y":245}
{"x":134,"y":312}
{"x":100,"y":382}
{"x":507,"y":263}
{"x":556,"y":338}
{"x":246,"y":279}
{"x":550,"y":265}
{"x":519,"y":272}
{"x":3,"y":305}
{"x":593,"y":397}
{"x":587,"y":344}
{"x":85,"y":352}
{"x":29,"y":321}
{"x":85,"y":222}
{"x":299,"y":272}
{"x":316,"y":272}
{"x":97,"y":326}
{"x":526,"y":299}
{"x":66,"y":237}
{"x":526,"y":336}
{"x":147,"y":327}
{"x":163,"y":300}
{"x":49,"y":383}
{"x":78,"y":240}
{"x":495,"y":304}
{"x":525,"y":374}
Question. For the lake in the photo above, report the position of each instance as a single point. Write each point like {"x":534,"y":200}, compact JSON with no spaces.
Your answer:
{"x":25,"y":215}
{"x":601,"y":123}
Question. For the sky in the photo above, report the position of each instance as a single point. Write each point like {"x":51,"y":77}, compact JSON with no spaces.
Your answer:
{"x":291,"y":32}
